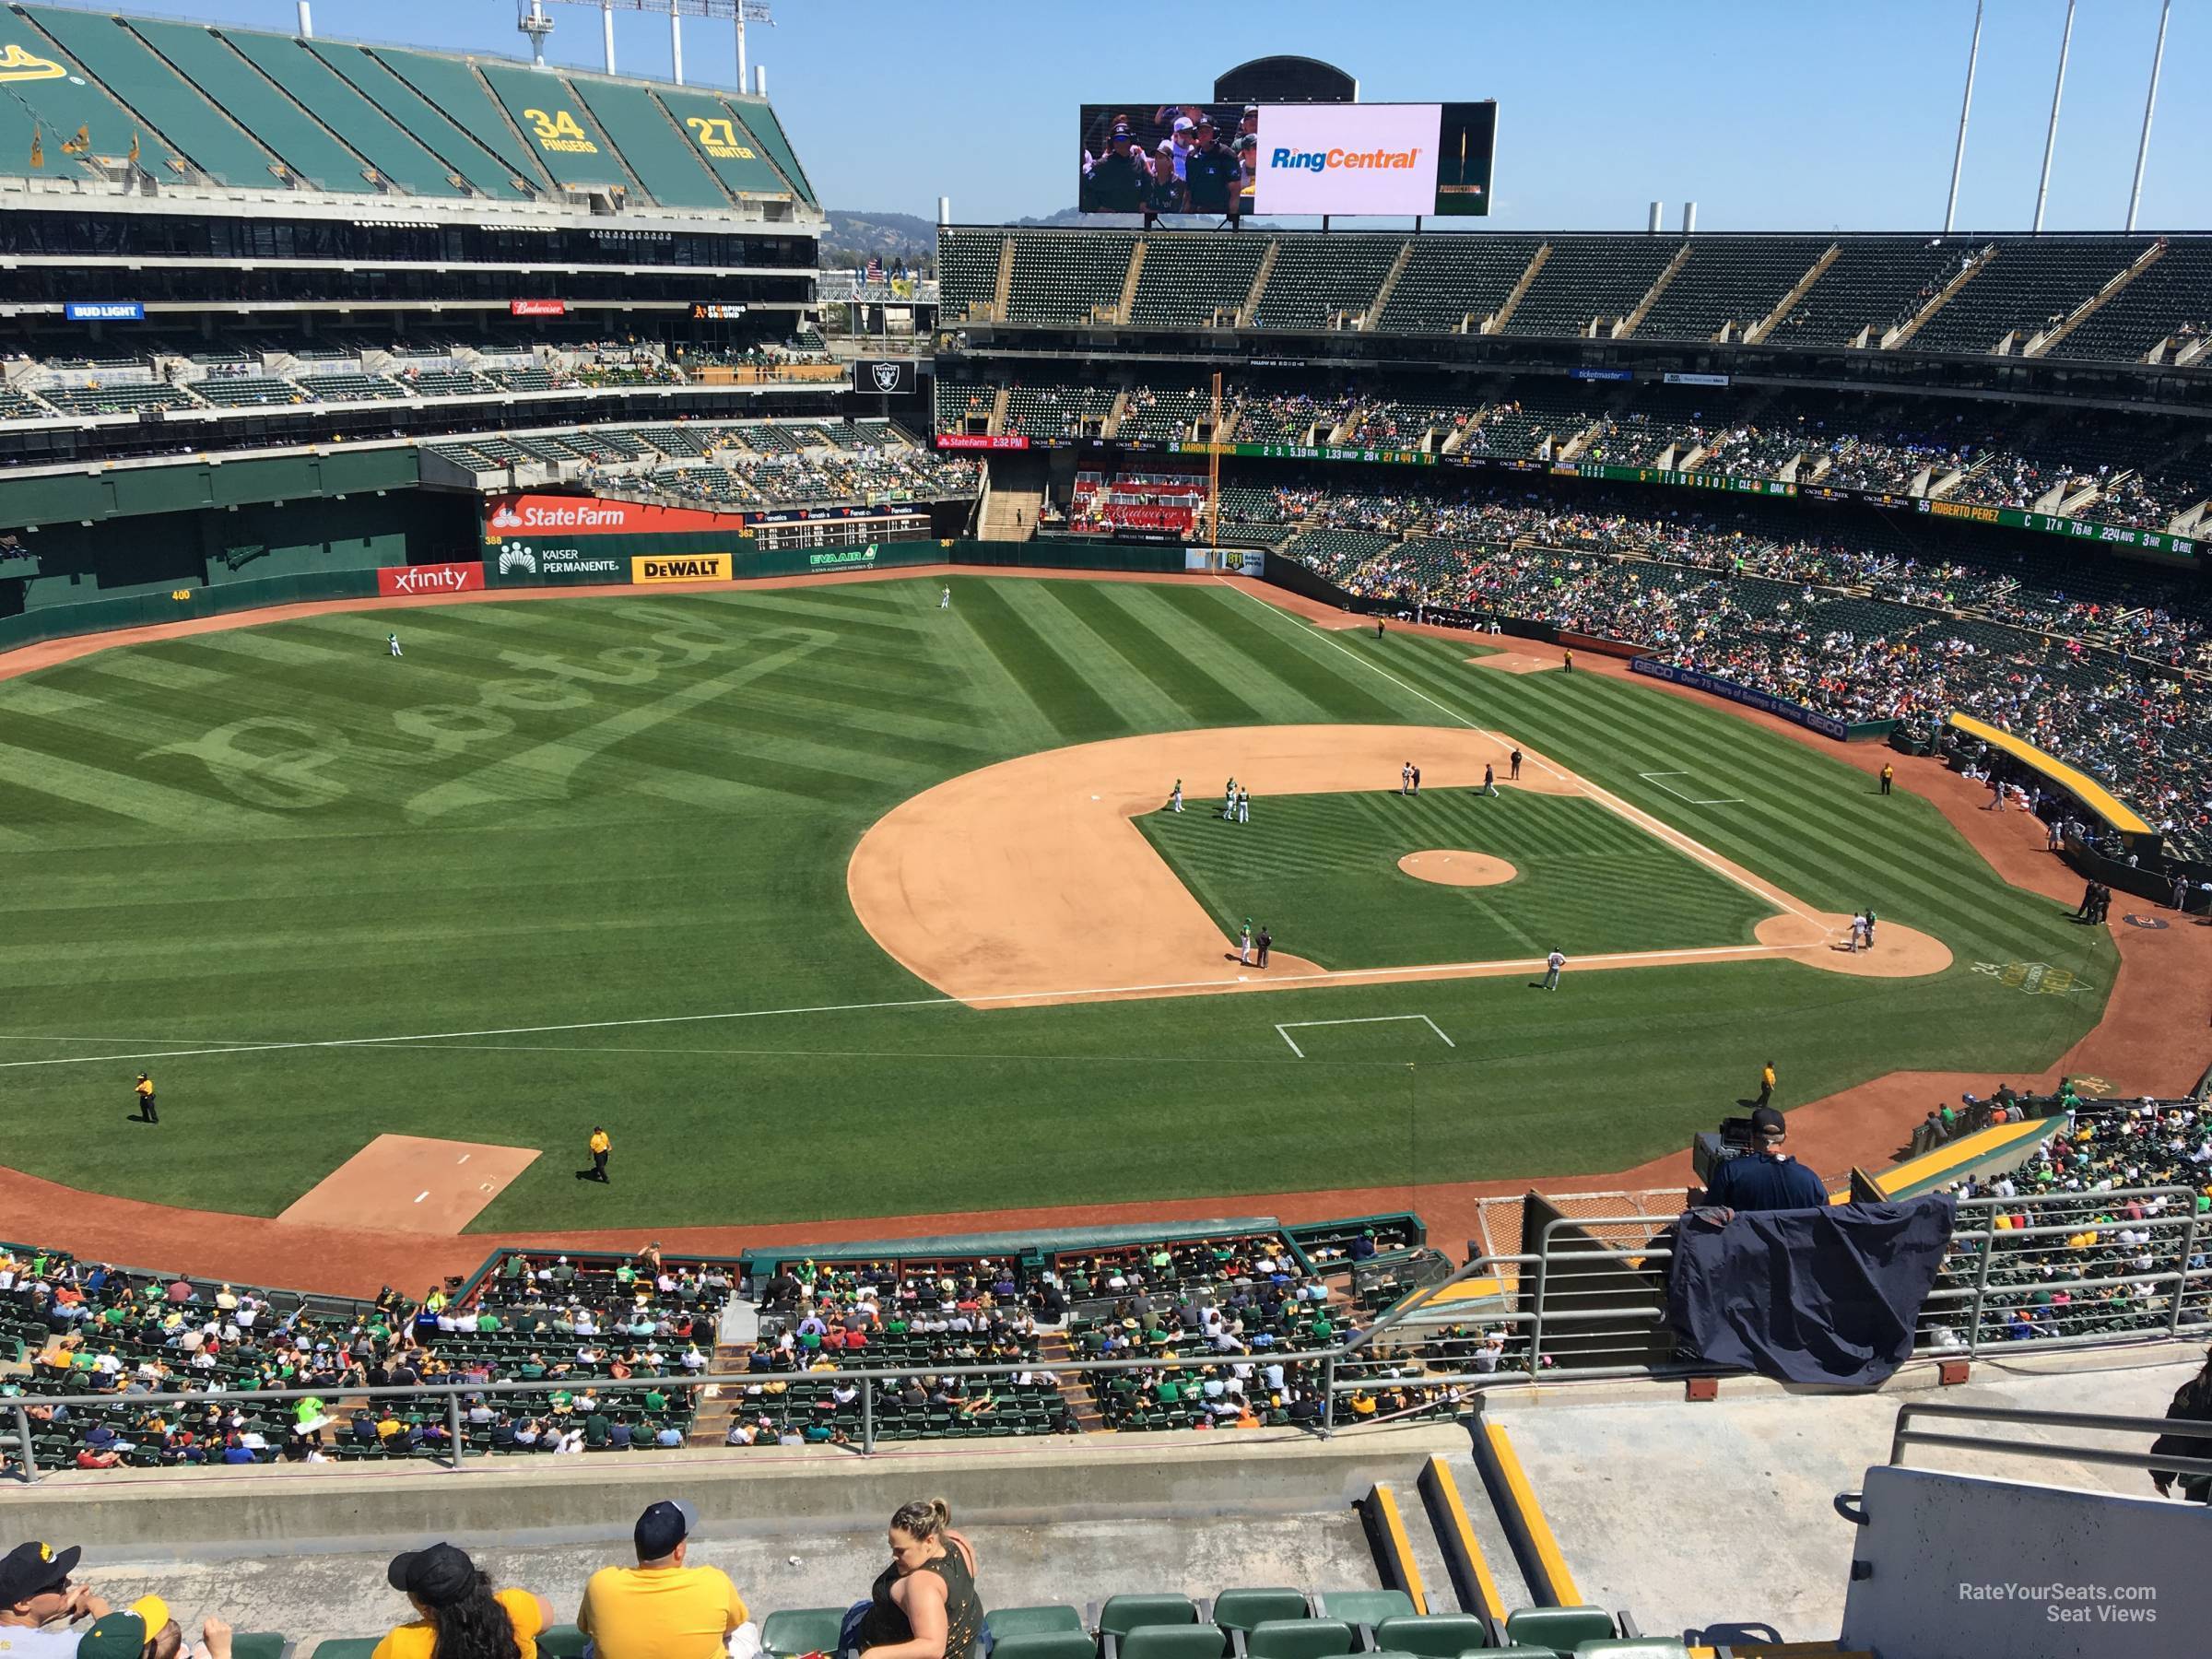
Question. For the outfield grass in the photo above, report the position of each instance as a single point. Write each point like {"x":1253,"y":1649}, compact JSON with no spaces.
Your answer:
{"x":555,"y":820}
{"x":1321,"y":872}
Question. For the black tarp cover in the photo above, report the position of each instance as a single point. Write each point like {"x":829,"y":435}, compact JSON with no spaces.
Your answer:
{"x":1825,"y":1295}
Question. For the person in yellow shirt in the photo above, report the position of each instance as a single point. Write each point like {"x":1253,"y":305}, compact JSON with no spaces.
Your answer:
{"x":459,"y":1614}
{"x":1766,"y":1084}
{"x":663,"y":1607}
{"x":144,"y":1089}
{"x":600,"y":1147}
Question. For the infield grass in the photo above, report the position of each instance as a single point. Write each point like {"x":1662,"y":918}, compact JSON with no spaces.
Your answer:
{"x":1585,"y":880}
{"x":580,"y":861}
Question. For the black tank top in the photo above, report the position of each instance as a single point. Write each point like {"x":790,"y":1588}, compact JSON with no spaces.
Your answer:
{"x":884,"y":1624}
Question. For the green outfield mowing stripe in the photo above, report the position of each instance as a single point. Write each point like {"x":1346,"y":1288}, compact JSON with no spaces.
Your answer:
{"x":1078,"y":713}
{"x":1265,"y":638}
{"x":1140,"y":703}
{"x":1186,"y":694}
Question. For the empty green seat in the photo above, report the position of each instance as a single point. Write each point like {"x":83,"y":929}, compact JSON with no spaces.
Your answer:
{"x":1123,"y":1614}
{"x":1364,"y":1606}
{"x":1300,"y":1638}
{"x":802,"y":1630}
{"x":1173,"y":1642}
{"x":347,"y":1647}
{"x":1046,"y":1644}
{"x":257,"y":1644}
{"x":1434,"y":1635}
{"x":1003,"y":1622}
{"x":1242,"y":1610}
{"x":558,"y":1641}
{"x":1560,"y":1629}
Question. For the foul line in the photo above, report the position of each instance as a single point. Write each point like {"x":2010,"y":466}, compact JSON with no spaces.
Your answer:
{"x":1603,"y":797}
{"x":1408,"y":973}
{"x":1285,"y":1028}
{"x":1653,"y":779}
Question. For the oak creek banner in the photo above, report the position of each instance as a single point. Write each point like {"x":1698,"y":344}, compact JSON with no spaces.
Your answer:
{"x":1697,"y":680}
{"x":395,"y":581}
{"x":682,"y":567}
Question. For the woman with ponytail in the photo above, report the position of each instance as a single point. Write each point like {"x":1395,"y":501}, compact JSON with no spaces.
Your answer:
{"x":924,"y":1606}
{"x":461,"y":1616}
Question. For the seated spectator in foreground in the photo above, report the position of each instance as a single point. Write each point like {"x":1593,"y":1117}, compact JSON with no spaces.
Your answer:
{"x":924,"y":1605}
{"x":39,"y":1605}
{"x":663,"y":1607}
{"x":459,"y":1614}
{"x":147,"y":1632}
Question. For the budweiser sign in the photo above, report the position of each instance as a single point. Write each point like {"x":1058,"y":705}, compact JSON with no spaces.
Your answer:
{"x":537,"y":308}
{"x":398,"y":579}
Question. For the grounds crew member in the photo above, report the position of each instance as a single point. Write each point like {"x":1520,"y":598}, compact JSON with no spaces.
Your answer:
{"x":600,"y":1147}
{"x":1766,"y":1083}
{"x":1888,"y":771}
{"x":144,"y":1089}
{"x":1765,"y":1178}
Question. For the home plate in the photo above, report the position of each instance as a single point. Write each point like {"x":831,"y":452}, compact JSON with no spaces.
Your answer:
{"x":407,"y":1184}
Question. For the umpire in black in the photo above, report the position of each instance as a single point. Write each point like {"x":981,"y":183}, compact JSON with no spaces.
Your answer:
{"x":1766,"y":1178}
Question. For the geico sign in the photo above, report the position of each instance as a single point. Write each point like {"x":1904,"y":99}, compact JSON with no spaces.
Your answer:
{"x":430,"y":578}
{"x":689,"y":566}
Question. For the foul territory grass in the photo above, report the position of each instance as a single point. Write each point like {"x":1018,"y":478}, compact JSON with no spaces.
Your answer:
{"x":583,"y":861}
{"x":1321,"y":873}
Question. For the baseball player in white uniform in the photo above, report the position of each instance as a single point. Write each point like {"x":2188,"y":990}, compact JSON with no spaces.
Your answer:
{"x":1175,"y":800}
{"x":1552,"y":964}
{"x":393,"y":641}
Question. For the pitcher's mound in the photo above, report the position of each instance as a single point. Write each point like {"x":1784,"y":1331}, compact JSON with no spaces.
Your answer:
{"x":1457,"y":869}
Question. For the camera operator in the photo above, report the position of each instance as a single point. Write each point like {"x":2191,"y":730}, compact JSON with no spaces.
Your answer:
{"x":1766,"y":1178}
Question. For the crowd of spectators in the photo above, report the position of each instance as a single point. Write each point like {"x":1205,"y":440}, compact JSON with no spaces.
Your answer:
{"x":1877,"y":630}
{"x":2115,"y":1189}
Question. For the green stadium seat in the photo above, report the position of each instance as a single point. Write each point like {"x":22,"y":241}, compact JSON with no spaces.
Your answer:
{"x":1046,"y":1644}
{"x":1560,"y":1629}
{"x":347,"y":1647}
{"x":802,"y":1630}
{"x":1123,"y":1614}
{"x":563,"y":1641}
{"x":1300,"y":1638}
{"x":259,"y":1644}
{"x":1242,"y":1610}
{"x":1633,"y":1647}
{"x":1003,"y":1622}
{"x":1363,"y":1606}
{"x":1434,"y":1635}
{"x":1170,"y":1641}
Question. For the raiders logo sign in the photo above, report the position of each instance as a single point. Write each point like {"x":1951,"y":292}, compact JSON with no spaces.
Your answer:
{"x":891,"y":376}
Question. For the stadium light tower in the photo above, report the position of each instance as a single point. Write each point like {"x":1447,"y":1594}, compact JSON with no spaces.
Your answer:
{"x":1965,"y":105}
{"x":532,"y":20}
{"x":2042,"y":189}
{"x":2150,"y":102}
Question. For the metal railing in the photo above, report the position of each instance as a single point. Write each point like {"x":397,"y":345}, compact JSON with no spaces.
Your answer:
{"x":1554,"y":1328}
{"x":1904,"y":1435}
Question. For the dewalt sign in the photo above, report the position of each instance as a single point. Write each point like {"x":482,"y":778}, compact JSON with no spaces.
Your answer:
{"x":689,"y":566}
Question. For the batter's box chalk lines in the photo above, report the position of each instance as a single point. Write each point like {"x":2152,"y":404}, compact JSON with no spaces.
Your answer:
{"x":1657,"y":781}
{"x":1287,"y":1027}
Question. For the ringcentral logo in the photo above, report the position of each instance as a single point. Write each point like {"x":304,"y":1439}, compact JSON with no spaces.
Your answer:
{"x":1331,"y":159}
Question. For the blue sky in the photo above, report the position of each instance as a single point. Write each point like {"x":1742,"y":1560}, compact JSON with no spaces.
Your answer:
{"x":1789,"y":115}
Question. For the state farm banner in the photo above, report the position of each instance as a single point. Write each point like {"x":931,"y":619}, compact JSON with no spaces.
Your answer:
{"x":414,"y":580}
{"x":978,"y":440}
{"x":564,"y":517}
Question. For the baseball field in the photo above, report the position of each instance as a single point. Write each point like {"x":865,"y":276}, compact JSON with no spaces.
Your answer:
{"x":828,"y":902}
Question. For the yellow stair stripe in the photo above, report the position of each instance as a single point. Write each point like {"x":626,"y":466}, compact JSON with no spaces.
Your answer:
{"x":1532,"y":1516}
{"x":1462,"y":1534}
{"x":1400,"y":1546}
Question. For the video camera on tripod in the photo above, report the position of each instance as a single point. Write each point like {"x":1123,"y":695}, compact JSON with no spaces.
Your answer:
{"x":1711,"y":1150}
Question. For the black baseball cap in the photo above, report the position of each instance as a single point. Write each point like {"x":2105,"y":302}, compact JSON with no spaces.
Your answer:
{"x":1765,"y":1120}
{"x":31,"y":1569}
{"x":441,"y":1575}
{"x":663,"y":1526}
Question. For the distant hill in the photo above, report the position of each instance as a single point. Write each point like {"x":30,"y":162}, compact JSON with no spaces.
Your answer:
{"x":855,"y":238}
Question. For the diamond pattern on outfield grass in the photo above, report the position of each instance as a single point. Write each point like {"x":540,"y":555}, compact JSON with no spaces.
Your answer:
{"x":1321,"y":871}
